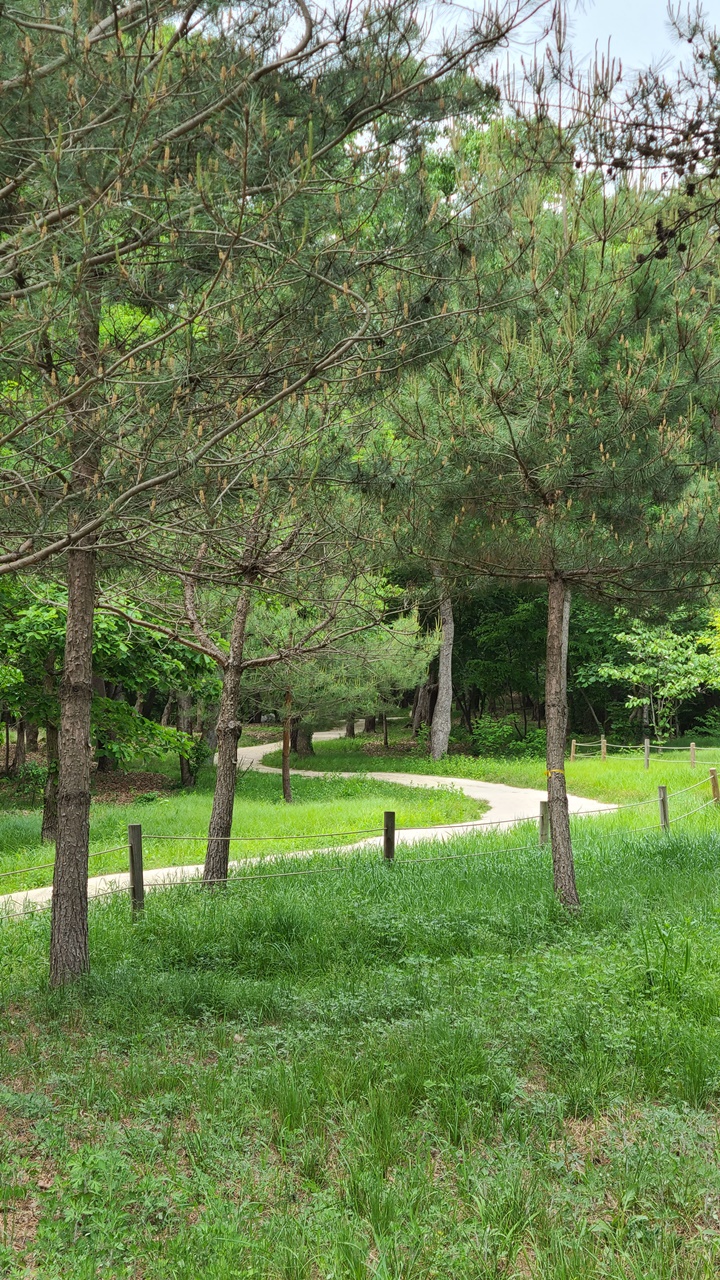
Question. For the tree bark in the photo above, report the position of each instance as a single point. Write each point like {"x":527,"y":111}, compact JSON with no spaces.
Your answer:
{"x":287,"y":728}
{"x":69,"y":922}
{"x":442,"y":715}
{"x":369,"y":724}
{"x":556,"y":711}
{"x":228,"y":731}
{"x":304,"y":745}
{"x":167,"y":712}
{"x":185,"y":724}
{"x":20,"y":750}
{"x":386,"y":741}
{"x":31,"y":737}
{"x":350,"y":727}
{"x":48,"y":834}
{"x":69,"y":927}
{"x":49,"y":818}
{"x":294,"y":731}
{"x":421,"y":714}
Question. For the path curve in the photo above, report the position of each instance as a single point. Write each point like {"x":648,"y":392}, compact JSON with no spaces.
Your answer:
{"x":507,"y":807}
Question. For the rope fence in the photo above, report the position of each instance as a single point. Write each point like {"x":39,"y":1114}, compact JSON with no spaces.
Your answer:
{"x":579,"y":750}
{"x":388,"y":830}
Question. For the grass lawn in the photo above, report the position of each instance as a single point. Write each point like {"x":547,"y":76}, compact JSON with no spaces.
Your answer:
{"x":320,"y":806}
{"x":619,"y":779}
{"x":406,"y":1072}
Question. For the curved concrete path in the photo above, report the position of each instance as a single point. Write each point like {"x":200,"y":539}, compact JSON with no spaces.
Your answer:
{"x":508,"y":806}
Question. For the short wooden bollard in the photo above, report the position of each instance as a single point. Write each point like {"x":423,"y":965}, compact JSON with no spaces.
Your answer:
{"x":603,"y":747}
{"x":647,"y":753}
{"x":715,"y":786}
{"x":573,"y":749}
{"x":544,"y":825}
{"x":664,"y":809}
{"x":692,"y":755}
{"x":137,"y":883}
{"x":389,"y":835}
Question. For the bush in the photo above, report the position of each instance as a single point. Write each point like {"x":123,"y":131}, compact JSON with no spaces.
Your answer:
{"x":709,"y":724}
{"x":30,"y":781}
{"x":503,"y":738}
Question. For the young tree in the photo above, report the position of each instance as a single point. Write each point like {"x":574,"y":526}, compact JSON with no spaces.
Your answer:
{"x":663,"y":668}
{"x":159,"y":193}
{"x":369,"y":666}
{"x":569,"y":441}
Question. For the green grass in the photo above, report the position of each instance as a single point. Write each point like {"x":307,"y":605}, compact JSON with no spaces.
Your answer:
{"x":619,"y":780}
{"x":320,"y":806}
{"x":411,"y":1072}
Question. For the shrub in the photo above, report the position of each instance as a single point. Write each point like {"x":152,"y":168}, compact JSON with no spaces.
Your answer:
{"x":503,"y":738}
{"x":709,"y":724}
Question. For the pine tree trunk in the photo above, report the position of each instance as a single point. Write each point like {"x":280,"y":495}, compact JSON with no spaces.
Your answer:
{"x":49,"y":818}
{"x":69,"y":927}
{"x":294,"y":732}
{"x":442,"y":715}
{"x":228,"y":731}
{"x":287,"y":728}
{"x":31,"y":737}
{"x":421,"y":714}
{"x":48,"y":834}
{"x":556,"y":712}
{"x":350,"y":728}
{"x":69,"y":920}
{"x":386,"y":740}
{"x":304,"y":743}
{"x":20,"y":751}
{"x":105,"y":763}
{"x":369,"y":724}
{"x":185,"y":718}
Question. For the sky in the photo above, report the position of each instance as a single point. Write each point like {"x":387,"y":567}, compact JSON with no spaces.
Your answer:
{"x":638,"y":31}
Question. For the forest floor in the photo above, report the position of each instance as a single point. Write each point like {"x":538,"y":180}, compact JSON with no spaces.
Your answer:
{"x":401,"y":1072}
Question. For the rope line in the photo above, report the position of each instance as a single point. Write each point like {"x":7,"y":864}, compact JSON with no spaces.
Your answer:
{"x":322,"y":835}
{"x":702,"y":783}
{"x":468,"y":827}
{"x":690,"y":812}
{"x":237,"y":881}
{"x":43,"y":866}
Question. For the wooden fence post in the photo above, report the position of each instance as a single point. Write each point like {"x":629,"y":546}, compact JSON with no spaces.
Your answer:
{"x":544,"y":826}
{"x":715,"y":786}
{"x":692,"y":755}
{"x":137,"y":883}
{"x":573,"y":749}
{"x":664,"y":809}
{"x":603,"y":747}
{"x":647,"y":753}
{"x":389,"y":835}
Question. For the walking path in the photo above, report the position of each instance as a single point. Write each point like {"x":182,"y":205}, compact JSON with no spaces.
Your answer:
{"x":507,"y":806}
